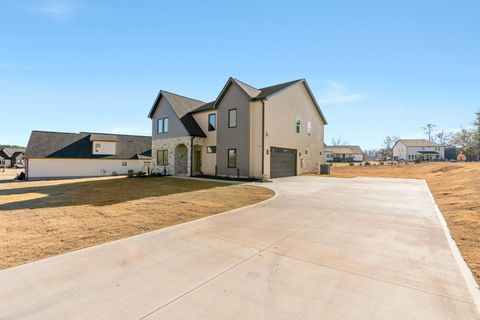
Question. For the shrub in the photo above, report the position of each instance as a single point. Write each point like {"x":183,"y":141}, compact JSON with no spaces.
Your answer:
{"x":381,"y":163}
{"x":351,"y":164}
{"x":418,"y":161}
{"x":367,"y":163}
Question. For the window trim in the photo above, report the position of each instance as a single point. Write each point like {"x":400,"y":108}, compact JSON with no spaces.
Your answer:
{"x":165,"y":159}
{"x":165,"y":125}
{"x":298,"y":124}
{"x":228,"y":158}
{"x":236,"y":118}
{"x":208,"y":122}
{"x":212,"y":147}
{"x":161,"y":124}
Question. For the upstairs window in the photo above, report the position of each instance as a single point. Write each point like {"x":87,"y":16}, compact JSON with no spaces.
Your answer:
{"x":162,"y":126}
{"x":232,"y":118}
{"x":309,"y":128}
{"x":212,"y":122}
{"x":298,"y":122}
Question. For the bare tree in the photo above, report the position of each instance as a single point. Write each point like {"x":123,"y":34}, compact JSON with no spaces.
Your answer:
{"x":338,"y":142}
{"x":388,"y":144}
{"x":443,"y":137}
{"x":428,"y":130}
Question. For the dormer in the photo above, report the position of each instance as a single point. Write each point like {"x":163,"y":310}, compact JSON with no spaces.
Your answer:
{"x":104,"y":144}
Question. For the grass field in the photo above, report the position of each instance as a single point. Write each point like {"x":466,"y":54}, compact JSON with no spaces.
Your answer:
{"x":456,"y":188}
{"x":45,"y":218}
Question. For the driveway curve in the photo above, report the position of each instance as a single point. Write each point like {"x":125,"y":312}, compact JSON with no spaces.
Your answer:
{"x":322,"y":248}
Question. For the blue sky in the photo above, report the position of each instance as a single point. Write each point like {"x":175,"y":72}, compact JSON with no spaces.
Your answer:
{"x":376,"y":67}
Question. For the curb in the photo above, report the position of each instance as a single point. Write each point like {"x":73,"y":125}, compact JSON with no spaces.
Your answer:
{"x":466,"y":272}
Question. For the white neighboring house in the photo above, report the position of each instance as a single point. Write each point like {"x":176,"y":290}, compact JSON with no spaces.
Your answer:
{"x":85,"y":154}
{"x":344,"y":154}
{"x":422,"y":149}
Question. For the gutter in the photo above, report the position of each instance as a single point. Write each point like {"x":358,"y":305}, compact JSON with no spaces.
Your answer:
{"x":263,"y":135}
{"x":191,"y":157}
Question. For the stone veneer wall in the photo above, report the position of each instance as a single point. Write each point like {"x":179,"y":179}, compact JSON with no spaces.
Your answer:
{"x":170,"y":144}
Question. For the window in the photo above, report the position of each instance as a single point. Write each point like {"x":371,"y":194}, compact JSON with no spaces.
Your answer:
{"x":162,"y":126}
{"x":212,"y":122}
{"x":298,"y":122}
{"x":98,"y":147}
{"x":309,"y":128}
{"x":162,"y":157}
{"x":124,"y":163}
{"x":232,"y":158}
{"x":212,"y":149}
{"x":232,"y":118}
{"x":306,"y":152}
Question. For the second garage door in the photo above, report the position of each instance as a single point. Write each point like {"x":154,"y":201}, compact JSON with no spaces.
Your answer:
{"x":283,"y":162}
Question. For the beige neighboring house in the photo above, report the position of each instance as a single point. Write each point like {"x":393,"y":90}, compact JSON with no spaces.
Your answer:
{"x":245,"y":132}
{"x":85,"y":154}
{"x":344,"y":154}
{"x":421,"y":149}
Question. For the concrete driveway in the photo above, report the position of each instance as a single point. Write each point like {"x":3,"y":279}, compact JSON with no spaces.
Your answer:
{"x":323,"y":248}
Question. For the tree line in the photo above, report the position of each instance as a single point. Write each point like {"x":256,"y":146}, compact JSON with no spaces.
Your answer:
{"x":464,"y":141}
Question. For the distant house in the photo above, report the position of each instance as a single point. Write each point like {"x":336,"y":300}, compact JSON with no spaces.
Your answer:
{"x":11,"y":157}
{"x":85,"y":154}
{"x":421,"y":149}
{"x":344,"y":154}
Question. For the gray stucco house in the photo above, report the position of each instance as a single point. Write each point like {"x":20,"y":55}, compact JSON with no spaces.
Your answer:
{"x":273,"y":131}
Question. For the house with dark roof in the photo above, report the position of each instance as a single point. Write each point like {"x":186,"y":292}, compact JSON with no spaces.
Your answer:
{"x":418,"y":149}
{"x":11,"y":157}
{"x":274,"y":131}
{"x":347,"y":153}
{"x":85,"y":154}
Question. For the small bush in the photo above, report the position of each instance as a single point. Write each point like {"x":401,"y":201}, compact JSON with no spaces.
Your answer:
{"x":367,"y":163}
{"x":418,"y":161}
{"x":381,"y":163}
{"x":351,"y":164}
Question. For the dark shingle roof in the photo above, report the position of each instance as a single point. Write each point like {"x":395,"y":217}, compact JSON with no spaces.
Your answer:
{"x":182,"y":106}
{"x":103,"y":137}
{"x":207,"y":106}
{"x":267,"y":91}
{"x":192,"y":126}
{"x":3,"y":155}
{"x":46,"y":144}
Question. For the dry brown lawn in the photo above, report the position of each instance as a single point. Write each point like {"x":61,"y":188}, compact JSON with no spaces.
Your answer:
{"x":45,"y":218}
{"x":456,"y":188}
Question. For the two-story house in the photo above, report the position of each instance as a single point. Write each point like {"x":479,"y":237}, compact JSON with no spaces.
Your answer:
{"x":274,"y":131}
{"x":421,"y":149}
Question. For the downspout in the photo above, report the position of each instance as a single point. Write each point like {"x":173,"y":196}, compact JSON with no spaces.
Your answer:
{"x":191,"y":157}
{"x":263,"y":136}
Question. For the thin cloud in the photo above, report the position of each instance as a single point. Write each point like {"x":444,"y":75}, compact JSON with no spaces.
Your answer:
{"x":337,"y":93}
{"x":55,"y":9}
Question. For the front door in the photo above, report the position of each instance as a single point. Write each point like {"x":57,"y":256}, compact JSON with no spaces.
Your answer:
{"x":198,"y":160}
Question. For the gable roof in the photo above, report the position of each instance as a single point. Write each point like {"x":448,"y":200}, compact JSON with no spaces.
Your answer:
{"x":268,"y":91}
{"x":419,"y":143}
{"x":182,"y":106}
{"x":47,"y":144}
{"x":344,"y":149}
{"x":3,"y":155}
{"x":10,"y":151}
